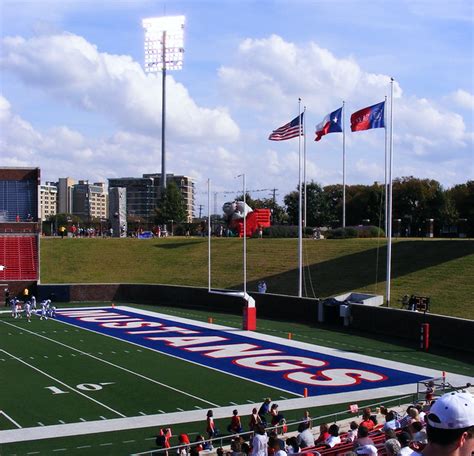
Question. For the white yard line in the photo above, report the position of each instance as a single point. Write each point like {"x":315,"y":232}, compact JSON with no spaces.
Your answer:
{"x":62,"y":383}
{"x":9,"y":418}
{"x":116,"y":365}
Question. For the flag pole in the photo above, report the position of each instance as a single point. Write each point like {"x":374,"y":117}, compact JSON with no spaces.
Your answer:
{"x":300,"y":222}
{"x":390,"y":206}
{"x":386,"y":187}
{"x":209,"y":235}
{"x":304,"y":168}
{"x":343,"y":165}
{"x":245,"y":234}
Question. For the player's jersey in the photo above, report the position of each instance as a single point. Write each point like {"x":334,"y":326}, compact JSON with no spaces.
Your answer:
{"x":27,"y":308}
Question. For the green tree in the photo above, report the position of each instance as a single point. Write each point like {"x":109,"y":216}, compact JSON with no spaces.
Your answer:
{"x":417,"y":200}
{"x":462,"y":196}
{"x":171,"y":207}
{"x":318,"y":206}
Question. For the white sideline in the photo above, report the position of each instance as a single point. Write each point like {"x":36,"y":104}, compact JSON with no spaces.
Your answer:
{"x":112,"y":364}
{"x":62,"y":383}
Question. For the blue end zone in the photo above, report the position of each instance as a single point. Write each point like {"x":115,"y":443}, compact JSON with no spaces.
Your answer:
{"x":274,"y":364}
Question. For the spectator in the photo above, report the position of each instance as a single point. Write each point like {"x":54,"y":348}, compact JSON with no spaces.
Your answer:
{"x":262,"y":286}
{"x":277,"y":450}
{"x":333,"y":438}
{"x":236,"y":447}
{"x":260,"y":442}
{"x":418,"y":433}
{"x":407,"y":419}
{"x":367,"y":419}
{"x":183,"y":440}
{"x":198,"y":444}
{"x":363,"y":438}
{"x":450,"y":426}
{"x":352,"y":432}
{"x":392,"y":447}
{"x":305,"y":437}
{"x":235,"y":426}
{"x":245,"y":448}
{"x":292,"y":446}
{"x":323,"y":434}
{"x":254,"y":420}
{"x":405,"y":450}
{"x":307,"y":419}
{"x":429,"y":393}
{"x":264,"y":409}
{"x":210,"y":425}
{"x":390,"y":422}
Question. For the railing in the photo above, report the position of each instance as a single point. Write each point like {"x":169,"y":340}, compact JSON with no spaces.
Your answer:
{"x":221,"y":440}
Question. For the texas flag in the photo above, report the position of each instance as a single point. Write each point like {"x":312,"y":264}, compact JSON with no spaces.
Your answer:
{"x":332,"y":123}
{"x":367,"y":118}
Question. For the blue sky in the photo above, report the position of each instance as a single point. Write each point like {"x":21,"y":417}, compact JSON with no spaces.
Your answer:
{"x":246,"y":63}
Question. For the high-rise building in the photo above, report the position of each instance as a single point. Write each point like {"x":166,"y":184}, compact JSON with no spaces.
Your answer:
{"x":144,"y":192}
{"x":65,"y":185}
{"x":185,"y":185}
{"x":89,"y":200}
{"x":141,"y":195}
{"x":48,"y":200}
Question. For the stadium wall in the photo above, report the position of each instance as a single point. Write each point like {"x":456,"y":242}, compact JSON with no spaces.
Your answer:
{"x":445,"y":331}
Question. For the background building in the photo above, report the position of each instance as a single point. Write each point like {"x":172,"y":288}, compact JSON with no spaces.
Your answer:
{"x":65,"y":185}
{"x":140,"y":195}
{"x":89,"y":200}
{"x":144,"y":192}
{"x":48,"y":200}
{"x":186,"y":186}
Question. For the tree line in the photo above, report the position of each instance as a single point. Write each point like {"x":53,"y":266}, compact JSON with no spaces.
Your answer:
{"x":415,"y":202}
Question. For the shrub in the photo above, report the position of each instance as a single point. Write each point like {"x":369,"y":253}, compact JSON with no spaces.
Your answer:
{"x":341,"y":233}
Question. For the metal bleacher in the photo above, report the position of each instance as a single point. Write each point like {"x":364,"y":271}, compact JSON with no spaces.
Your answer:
{"x":18,"y":198}
{"x":19,"y":258}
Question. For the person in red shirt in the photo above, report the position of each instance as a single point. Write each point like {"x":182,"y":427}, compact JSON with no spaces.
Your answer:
{"x":235,"y":426}
{"x":323,"y":434}
{"x":366,"y":420}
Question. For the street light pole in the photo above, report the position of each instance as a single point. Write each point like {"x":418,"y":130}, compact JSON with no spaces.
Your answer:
{"x":163,"y":118}
{"x":164,"y":49}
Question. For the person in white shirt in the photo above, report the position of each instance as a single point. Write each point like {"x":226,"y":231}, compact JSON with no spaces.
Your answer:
{"x":259,"y":442}
{"x":277,"y":451}
{"x":33,"y":303}
{"x":305,"y":437}
{"x":405,"y":450}
{"x":333,"y":438}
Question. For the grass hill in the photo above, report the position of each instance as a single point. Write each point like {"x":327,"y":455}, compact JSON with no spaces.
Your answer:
{"x":442,"y":269}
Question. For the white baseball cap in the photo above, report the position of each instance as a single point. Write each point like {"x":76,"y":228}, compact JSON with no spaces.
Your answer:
{"x":452,"y":411}
{"x":367,"y":449}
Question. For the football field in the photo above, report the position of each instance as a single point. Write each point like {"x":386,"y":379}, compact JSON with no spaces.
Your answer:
{"x":105,"y":372}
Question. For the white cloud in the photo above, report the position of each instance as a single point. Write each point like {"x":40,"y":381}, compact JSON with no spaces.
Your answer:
{"x":73,"y":70}
{"x":270,"y":74}
{"x":463,"y":99}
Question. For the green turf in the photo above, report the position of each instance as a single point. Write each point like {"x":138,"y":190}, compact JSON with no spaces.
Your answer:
{"x":437,"y":268}
{"x":28,"y":401}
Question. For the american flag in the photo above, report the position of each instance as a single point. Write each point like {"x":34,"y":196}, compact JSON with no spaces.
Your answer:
{"x":290,"y":130}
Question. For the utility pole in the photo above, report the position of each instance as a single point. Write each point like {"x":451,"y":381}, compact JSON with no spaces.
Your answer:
{"x":201,"y":206}
{"x":274,"y":190}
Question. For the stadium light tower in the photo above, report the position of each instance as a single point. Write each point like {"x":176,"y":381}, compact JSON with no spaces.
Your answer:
{"x":164,"y":49}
